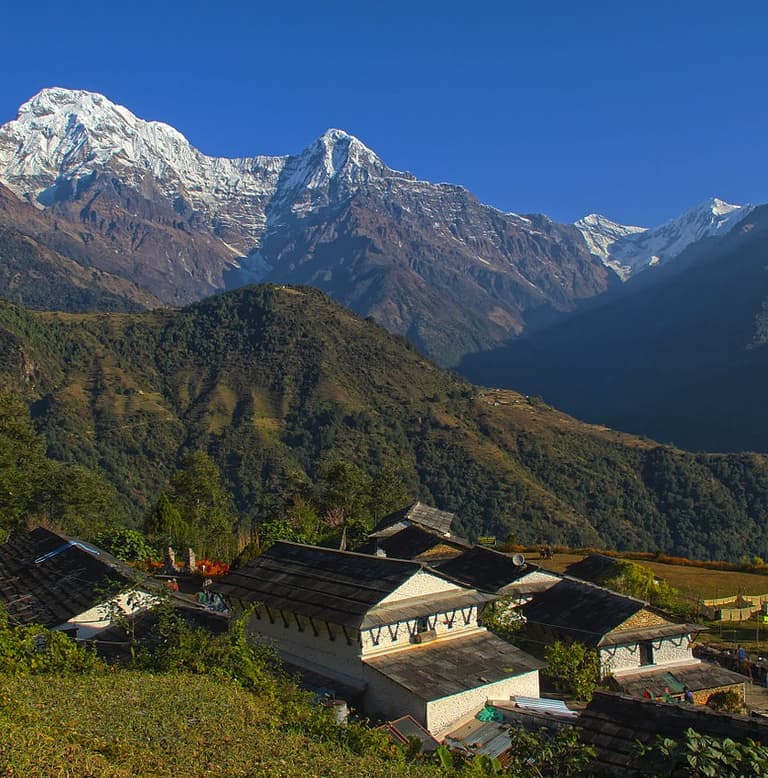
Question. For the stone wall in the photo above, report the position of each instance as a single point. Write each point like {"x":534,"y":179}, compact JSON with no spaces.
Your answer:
{"x":615,"y":659}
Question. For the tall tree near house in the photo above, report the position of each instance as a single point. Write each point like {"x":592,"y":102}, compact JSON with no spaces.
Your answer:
{"x":387,"y":493}
{"x":23,"y":466}
{"x":573,"y":667}
{"x":164,"y":525}
{"x":206,"y":507}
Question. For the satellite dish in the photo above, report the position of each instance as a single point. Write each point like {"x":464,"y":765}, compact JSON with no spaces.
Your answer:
{"x":518,"y":560}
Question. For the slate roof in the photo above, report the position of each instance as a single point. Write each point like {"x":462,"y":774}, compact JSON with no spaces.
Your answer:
{"x":579,"y":610}
{"x":413,"y":607}
{"x":483,"y":568}
{"x":417,"y":513}
{"x":595,"y":568}
{"x":440,"y":669}
{"x":406,"y":727}
{"x":613,"y":723}
{"x":414,"y":541}
{"x":47,"y":578}
{"x":697,"y":677}
{"x":335,"y":586}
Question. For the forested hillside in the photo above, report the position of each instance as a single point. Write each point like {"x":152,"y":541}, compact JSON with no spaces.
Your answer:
{"x":290,"y":393}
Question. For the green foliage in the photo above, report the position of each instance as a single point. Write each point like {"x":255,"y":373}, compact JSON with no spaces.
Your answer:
{"x":35,"y":650}
{"x":174,"y":646}
{"x":702,"y":756}
{"x":127,"y":544}
{"x":163,"y":525}
{"x":32,"y":487}
{"x":125,"y":724}
{"x":573,"y":667}
{"x":205,"y":506}
{"x":559,"y":755}
{"x":639,"y":581}
{"x":292,"y":397}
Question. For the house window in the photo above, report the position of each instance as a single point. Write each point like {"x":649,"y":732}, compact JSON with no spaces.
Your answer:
{"x":422,"y":624}
{"x":646,"y":653}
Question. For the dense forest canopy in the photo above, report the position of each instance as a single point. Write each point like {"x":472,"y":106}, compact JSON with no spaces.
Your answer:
{"x":303,"y":408}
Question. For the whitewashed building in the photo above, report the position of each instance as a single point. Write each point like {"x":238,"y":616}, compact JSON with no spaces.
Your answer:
{"x":64,"y":583}
{"x":406,"y":638}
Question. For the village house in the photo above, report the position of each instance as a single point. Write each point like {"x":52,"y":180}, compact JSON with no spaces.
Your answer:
{"x":63,"y":583}
{"x":641,"y":649}
{"x":424,"y":516}
{"x":503,"y":574}
{"x":417,"y":543}
{"x":405,"y":638}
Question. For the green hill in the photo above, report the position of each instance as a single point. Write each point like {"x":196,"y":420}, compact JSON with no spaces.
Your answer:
{"x":277,"y":383}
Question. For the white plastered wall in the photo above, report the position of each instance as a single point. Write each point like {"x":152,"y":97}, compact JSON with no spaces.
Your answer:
{"x":442,"y":714}
{"x":298,"y":643}
{"x":377,"y":640}
{"x":420,"y":584}
{"x":389,"y":700}
{"x":665,"y":651}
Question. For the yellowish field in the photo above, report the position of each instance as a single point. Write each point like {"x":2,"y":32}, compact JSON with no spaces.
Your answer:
{"x":693,"y":582}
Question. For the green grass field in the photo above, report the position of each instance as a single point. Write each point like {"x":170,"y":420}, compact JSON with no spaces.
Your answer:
{"x":135,"y":724}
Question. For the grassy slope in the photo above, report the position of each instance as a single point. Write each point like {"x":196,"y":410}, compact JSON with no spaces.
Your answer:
{"x":276,"y":381}
{"x":130,"y":724}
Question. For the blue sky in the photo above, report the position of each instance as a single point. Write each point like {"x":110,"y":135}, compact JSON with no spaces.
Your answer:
{"x":636,"y":110}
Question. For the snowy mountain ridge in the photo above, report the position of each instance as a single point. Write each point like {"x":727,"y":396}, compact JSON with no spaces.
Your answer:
{"x":629,"y":250}
{"x":135,"y":199}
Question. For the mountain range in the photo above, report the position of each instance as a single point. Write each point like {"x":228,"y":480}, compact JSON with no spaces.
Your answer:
{"x":683,"y":359}
{"x":133,"y":200}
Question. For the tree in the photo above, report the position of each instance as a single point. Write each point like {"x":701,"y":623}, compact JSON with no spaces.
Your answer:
{"x":128,"y":544}
{"x":639,"y":581}
{"x":387,"y":493}
{"x":206,"y":507}
{"x":164,"y":525}
{"x":503,"y":617}
{"x":23,"y":465}
{"x":573,"y":667}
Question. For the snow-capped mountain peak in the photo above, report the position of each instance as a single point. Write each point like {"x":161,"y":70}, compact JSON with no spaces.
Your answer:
{"x":629,"y":250}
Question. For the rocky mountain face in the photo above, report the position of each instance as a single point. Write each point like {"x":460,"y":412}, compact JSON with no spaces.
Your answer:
{"x":427,"y":260}
{"x":44,"y":263}
{"x":134,"y":199}
{"x":684,"y":359}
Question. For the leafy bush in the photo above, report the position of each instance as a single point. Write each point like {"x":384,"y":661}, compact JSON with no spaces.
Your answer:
{"x":702,"y":756}
{"x":35,"y":650}
{"x":573,"y":667}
